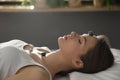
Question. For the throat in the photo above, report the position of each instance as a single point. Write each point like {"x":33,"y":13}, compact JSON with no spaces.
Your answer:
{"x":53,"y":61}
{"x":43,"y":61}
{"x":39,"y":59}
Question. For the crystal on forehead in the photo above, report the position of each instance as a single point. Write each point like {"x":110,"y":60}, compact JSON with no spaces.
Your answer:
{"x":91,"y":33}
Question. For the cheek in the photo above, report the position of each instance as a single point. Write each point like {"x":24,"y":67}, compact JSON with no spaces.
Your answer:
{"x":72,"y":48}
{"x":68,"y":46}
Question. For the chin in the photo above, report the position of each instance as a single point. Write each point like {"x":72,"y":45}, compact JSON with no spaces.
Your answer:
{"x":60,"y":41}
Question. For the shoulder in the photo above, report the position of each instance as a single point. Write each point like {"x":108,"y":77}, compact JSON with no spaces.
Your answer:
{"x":11,"y":51}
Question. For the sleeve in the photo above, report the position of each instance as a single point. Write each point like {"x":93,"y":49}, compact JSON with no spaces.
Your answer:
{"x":14,"y":59}
{"x":15,"y":42}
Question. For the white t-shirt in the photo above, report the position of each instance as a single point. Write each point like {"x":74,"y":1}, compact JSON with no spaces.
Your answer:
{"x":13,"y":58}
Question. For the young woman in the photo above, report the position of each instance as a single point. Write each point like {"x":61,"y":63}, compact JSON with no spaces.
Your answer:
{"x":85,"y":53}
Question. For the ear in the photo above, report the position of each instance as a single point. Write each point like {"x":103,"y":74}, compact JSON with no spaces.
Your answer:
{"x":77,"y":63}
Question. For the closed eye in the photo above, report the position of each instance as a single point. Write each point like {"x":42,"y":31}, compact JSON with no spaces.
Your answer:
{"x":79,"y":41}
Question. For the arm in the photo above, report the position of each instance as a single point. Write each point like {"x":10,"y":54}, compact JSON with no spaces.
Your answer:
{"x":30,"y":73}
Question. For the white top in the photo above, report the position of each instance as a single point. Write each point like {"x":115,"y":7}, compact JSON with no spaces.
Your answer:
{"x":13,"y":58}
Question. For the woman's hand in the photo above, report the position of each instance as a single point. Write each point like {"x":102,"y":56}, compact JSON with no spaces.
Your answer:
{"x":42,"y":49}
{"x":33,"y":49}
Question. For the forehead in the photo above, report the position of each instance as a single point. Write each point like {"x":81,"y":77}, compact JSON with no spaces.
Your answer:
{"x":94,"y":37}
{"x":90,"y":41}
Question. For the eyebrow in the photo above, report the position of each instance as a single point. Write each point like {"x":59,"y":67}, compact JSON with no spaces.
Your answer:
{"x":95,"y":37}
{"x":90,"y":36}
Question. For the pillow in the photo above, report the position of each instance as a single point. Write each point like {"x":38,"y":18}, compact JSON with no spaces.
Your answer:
{"x":113,"y":73}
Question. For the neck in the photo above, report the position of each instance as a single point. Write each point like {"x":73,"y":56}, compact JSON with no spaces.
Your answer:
{"x":54,"y":62}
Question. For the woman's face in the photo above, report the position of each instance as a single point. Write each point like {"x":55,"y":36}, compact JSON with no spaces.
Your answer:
{"x":76,"y":45}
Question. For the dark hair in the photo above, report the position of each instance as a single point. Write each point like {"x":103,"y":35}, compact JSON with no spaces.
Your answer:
{"x":97,"y":59}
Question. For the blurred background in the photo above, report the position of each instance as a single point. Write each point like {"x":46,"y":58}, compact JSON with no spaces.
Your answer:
{"x":41,"y":22}
{"x":38,"y":4}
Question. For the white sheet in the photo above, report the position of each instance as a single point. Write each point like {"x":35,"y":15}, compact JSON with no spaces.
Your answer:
{"x":112,"y":73}
{"x":61,"y":78}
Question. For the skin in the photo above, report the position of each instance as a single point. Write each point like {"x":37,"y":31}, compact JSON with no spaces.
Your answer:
{"x":71,"y":47}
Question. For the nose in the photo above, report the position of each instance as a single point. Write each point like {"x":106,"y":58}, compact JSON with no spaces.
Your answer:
{"x":73,"y":34}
